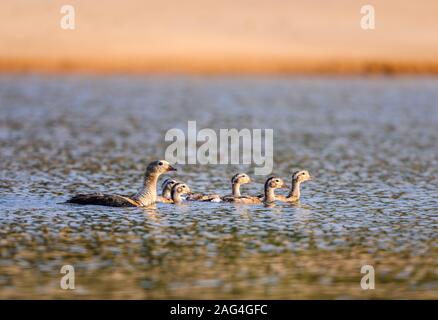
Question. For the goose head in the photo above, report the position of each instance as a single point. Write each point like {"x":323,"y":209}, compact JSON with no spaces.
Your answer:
{"x":167,"y":186}
{"x":159,"y":167}
{"x":240,"y":178}
{"x":237,"y":180}
{"x":275,"y":183}
{"x":181,"y":188}
{"x":178,"y":190}
{"x":270,"y":185}
{"x":301,"y":176}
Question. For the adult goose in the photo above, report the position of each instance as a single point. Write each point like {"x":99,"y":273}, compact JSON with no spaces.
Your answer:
{"x":147,"y":194}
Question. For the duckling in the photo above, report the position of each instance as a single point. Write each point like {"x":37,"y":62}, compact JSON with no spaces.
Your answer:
{"x":236,"y":181}
{"x":147,"y":195}
{"x":203,"y":197}
{"x":297,"y":178}
{"x":177,"y":190}
{"x":167,"y":186}
{"x":269,"y":196}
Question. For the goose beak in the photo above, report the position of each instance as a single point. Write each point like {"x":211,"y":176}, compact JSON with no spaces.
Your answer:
{"x":284,"y":186}
{"x":170,"y":168}
{"x":311,"y":177}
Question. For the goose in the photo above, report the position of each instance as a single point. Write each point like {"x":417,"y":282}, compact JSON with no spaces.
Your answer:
{"x":166,"y":195}
{"x":203,"y":197}
{"x":177,"y":190}
{"x":147,"y":194}
{"x":236,"y":181}
{"x":269,"y":196}
{"x":297,"y":178}
{"x":167,"y":186}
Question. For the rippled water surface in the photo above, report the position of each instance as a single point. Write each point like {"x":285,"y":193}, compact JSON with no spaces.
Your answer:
{"x":370,"y":143}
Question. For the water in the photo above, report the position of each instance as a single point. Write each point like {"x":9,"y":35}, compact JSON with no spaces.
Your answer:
{"x":371,"y":144}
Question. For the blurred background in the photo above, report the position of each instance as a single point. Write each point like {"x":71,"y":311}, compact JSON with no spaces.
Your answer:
{"x":275,"y":36}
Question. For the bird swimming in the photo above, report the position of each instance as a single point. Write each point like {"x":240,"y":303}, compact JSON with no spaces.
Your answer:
{"x":203,"y":197}
{"x":297,"y":178}
{"x":167,"y":186}
{"x":177,"y":190}
{"x":166,"y":194}
{"x":236,"y":181}
{"x":147,"y":194}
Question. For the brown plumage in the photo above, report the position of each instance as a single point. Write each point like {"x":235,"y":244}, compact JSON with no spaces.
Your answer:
{"x":178,"y":190}
{"x":236,"y":181}
{"x":166,"y":194}
{"x":297,"y":178}
{"x":269,"y":196}
{"x":102,"y":199}
{"x":145,"y":196}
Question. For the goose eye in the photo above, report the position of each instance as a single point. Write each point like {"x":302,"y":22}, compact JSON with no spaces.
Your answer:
{"x":277,"y":180}
{"x":160,"y":163}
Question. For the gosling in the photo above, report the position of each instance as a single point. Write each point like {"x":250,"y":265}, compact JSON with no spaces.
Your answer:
{"x":166,"y":195}
{"x":297,"y":178}
{"x":203,"y":197}
{"x":236,"y":181}
{"x":146,"y":196}
{"x":178,"y":190}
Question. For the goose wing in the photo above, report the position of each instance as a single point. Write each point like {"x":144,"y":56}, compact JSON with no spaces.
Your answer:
{"x":242,"y":199}
{"x":101,"y":199}
{"x":203,"y":197}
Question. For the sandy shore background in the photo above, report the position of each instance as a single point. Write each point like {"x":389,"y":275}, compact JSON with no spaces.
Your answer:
{"x":245,"y":36}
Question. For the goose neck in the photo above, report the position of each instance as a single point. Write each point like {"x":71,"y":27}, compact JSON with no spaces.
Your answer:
{"x":236,"y":189}
{"x":148,"y":193}
{"x":176,"y":197}
{"x":269,"y":194}
{"x":295,"y":189}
